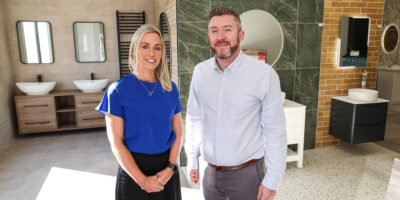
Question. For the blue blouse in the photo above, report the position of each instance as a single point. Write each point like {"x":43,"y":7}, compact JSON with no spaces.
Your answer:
{"x":147,"y":119}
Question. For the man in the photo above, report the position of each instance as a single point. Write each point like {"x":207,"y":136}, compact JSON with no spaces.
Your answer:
{"x":234,"y":101}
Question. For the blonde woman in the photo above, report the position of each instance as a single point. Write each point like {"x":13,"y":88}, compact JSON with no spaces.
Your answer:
{"x":144,"y":125}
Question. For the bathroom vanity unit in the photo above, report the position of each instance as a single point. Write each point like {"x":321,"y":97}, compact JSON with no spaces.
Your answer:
{"x":57,"y":111}
{"x":389,"y":83}
{"x":295,"y":115}
{"x":358,"y":121}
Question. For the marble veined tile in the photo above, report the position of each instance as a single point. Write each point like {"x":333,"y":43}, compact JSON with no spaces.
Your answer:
{"x":188,"y":10}
{"x":193,"y":45}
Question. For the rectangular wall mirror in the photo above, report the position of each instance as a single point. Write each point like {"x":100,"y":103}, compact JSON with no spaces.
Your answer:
{"x":89,"y":42}
{"x":35,"y":42}
{"x":354,"y":34}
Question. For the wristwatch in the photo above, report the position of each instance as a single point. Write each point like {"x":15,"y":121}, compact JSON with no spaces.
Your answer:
{"x":172,"y":166}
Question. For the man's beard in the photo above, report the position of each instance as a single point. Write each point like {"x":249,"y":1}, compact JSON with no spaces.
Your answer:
{"x":233,"y":49}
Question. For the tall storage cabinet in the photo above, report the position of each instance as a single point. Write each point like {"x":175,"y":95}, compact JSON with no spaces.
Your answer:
{"x":295,"y":115}
{"x":57,"y":111}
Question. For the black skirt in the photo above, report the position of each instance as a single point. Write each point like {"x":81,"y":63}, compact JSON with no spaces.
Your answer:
{"x":128,"y":189}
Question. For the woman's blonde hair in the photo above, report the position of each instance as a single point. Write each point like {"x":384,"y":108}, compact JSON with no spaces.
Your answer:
{"x":162,"y":74}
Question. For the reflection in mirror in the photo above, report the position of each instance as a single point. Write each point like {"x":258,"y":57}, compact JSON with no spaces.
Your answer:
{"x":35,"y":43}
{"x":262,"y":35}
{"x":354,"y":34}
{"x":390,"y":38}
{"x":89,"y":42}
{"x":164,"y":29}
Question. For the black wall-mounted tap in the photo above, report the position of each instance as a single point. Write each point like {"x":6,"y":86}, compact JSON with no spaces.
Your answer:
{"x":91,"y":76}
{"x":39,"y":78}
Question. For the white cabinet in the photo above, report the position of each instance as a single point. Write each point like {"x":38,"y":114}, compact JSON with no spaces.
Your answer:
{"x":388,"y":84}
{"x":295,"y":115}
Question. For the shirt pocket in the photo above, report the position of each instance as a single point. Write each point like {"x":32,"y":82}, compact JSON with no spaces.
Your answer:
{"x":242,"y":105}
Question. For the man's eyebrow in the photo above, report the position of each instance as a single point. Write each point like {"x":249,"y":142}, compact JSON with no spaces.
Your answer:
{"x":226,"y":26}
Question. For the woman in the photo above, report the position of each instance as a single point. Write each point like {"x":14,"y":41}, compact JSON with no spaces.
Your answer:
{"x":144,"y":124}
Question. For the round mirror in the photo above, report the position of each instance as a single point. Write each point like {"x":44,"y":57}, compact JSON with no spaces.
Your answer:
{"x":390,"y":38}
{"x":262,"y":32}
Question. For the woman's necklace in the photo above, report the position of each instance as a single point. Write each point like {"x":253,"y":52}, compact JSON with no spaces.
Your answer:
{"x":148,"y":91}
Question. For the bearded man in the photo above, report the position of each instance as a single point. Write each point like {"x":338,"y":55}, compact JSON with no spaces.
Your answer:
{"x":235,"y":118}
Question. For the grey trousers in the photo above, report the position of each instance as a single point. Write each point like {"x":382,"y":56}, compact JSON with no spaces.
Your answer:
{"x":240,"y":184}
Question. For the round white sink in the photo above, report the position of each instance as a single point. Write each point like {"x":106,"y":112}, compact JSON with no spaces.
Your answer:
{"x":361,"y":94}
{"x":36,"y":88}
{"x":88,"y":86}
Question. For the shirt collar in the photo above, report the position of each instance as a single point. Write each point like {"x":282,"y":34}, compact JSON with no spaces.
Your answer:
{"x":231,"y":67}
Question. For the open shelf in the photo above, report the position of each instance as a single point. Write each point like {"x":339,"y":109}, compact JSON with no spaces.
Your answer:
{"x":66,"y":109}
{"x":65,"y":103}
{"x":66,"y":120}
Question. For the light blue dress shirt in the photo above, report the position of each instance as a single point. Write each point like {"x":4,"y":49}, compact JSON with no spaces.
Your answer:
{"x":236,"y":115}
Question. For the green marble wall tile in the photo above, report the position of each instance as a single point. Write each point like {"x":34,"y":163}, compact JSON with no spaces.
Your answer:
{"x":193,"y":45}
{"x":282,"y":10}
{"x":188,"y":10}
{"x":310,"y":129}
{"x":243,"y":6}
{"x":185,"y":80}
{"x":215,"y":3}
{"x":288,"y":55}
{"x":184,"y":106}
{"x":183,"y":157}
{"x":287,"y":77}
{"x":309,"y":37}
{"x":311,"y":11}
{"x":306,"y":87}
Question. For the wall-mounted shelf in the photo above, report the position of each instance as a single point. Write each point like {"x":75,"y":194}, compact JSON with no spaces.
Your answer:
{"x":58,"y":111}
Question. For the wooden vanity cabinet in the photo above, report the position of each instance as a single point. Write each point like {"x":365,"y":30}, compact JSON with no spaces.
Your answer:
{"x":36,"y":114}
{"x":87,"y":116}
{"x":57,"y":111}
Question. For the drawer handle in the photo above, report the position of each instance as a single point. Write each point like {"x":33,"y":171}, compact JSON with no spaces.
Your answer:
{"x":31,"y":123}
{"x":31,"y":106}
{"x":90,"y":102}
{"x":93,"y":118}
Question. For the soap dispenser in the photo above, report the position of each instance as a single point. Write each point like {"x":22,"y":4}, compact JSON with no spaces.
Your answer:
{"x":364,"y":78}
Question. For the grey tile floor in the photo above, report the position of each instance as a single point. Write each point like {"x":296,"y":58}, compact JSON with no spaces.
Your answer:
{"x":359,"y":171}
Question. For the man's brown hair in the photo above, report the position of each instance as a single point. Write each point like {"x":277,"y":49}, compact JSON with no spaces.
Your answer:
{"x":219,"y":11}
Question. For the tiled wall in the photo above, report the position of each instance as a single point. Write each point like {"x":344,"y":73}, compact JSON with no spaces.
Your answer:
{"x":61,"y":15}
{"x":299,"y":65}
{"x":390,"y":16}
{"x":334,"y":80}
{"x":169,"y":8}
{"x":7,"y":88}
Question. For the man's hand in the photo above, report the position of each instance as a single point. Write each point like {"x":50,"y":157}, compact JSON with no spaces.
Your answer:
{"x":194,"y":176}
{"x":265,"y":194}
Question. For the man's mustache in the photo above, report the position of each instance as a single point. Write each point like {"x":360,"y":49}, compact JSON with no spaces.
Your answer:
{"x":222,"y":42}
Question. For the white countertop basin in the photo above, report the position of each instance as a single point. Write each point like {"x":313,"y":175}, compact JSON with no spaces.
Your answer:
{"x":361,"y":94}
{"x":36,"y":88}
{"x":88,"y":86}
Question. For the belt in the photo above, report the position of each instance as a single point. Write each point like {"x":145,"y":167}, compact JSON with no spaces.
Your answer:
{"x":230,"y":168}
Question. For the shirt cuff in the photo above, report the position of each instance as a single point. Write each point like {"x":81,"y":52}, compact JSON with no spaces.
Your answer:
{"x":193,"y":163}
{"x":271,"y":182}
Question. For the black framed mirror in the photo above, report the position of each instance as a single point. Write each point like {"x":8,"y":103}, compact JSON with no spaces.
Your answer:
{"x":354,"y":38}
{"x":164,"y":29}
{"x":390,"y":38}
{"x":89,"y":42}
{"x":35,"y":42}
